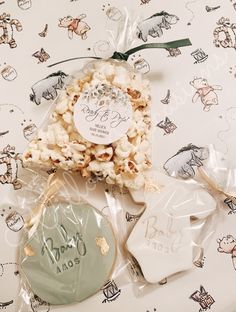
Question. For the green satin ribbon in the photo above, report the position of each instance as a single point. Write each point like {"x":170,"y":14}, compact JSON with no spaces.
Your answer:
{"x":166,"y":45}
{"x":124,"y":56}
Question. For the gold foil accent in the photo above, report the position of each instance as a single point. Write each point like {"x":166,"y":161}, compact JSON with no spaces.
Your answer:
{"x":102,"y":243}
{"x":29,"y":251}
{"x":152,"y":186}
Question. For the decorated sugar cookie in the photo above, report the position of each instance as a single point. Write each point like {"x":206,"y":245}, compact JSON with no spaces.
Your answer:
{"x":70,"y":255}
{"x":162,"y":240}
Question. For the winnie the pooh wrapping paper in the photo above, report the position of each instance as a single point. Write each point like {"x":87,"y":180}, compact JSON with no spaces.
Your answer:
{"x":193,"y":106}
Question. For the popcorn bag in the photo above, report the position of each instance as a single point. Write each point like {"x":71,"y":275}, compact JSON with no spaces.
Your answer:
{"x":99,"y":126}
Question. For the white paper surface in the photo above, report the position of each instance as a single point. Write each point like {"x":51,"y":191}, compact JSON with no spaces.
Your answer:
{"x":187,"y":121}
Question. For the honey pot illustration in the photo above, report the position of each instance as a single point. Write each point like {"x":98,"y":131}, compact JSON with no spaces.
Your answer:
{"x":8,"y":73}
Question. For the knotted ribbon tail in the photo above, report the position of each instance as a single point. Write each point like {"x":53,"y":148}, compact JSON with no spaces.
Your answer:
{"x":75,"y":58}
{"x":165,"y":45}
{"x":120,"y":56}
{"x":212,"y":184}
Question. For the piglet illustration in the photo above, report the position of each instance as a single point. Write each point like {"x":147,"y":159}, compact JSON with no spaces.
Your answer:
{"x":75,"y":25}
{"x":205,"y":92}
{"x":228,"y":245}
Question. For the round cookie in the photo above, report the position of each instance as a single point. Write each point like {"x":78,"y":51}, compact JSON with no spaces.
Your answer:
{"x":71,"y":254}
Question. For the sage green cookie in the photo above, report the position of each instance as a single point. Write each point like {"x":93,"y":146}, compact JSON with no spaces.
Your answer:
{"x":71,"y":254}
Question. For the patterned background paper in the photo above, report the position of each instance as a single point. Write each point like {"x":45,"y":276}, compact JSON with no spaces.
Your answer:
{"x":193,"y":102}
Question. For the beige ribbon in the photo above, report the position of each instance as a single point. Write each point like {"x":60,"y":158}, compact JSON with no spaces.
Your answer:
{"x":52,"y":187}
{"x":214,"y":186}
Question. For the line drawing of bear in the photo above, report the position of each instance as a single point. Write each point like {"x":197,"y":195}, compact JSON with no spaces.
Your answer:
{"x":47,"y":87}
{"x":182,"y":163}
{"x":227,"y":245}
{"x":205,"y":92}
{"x":228,"y":30}
{"x":75,"y":25}
{"x":7,"y":24}
{"x":11,"y":159}
{"x":154,"y":25}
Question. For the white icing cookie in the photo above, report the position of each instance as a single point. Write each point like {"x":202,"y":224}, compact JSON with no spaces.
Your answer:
{"x":162,"y":239}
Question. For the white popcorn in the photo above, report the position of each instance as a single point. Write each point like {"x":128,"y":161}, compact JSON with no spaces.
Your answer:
{"x":33,"y":145}
{"x":54,"y":117}
{"x":121,"y":79}
{"x":130,"y":167}
{"x":110,"y":180}
{"x":56,"y":156}
{"x":60,"y":145}
{"x":35,"y":155}
{"x":121,"y":153}
{"x":139,"y":158}
{"x":134,"y":183}
{"x":68,"y":117}
{"x":77,"y":146}
{"x":105,"y":68}
{"x":58,"y":134}
{"x":100,"y":77}
{"x":78,"y":157}
{"x":104,"y":154}
{"x":66,"y":151}
{"x":123,"y":147}
{"x":138,"y":82}
{"x":144,"y":146}
{"x":105,"y":168}
{"x":132,"y":132}
{"x":71,"y":106}
{"x":62,"y":106}
{"x":50,"y":136}
{"x":45,"y":154}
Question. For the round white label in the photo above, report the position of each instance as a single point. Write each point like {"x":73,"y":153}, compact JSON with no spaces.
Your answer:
{"x":103,"y":114}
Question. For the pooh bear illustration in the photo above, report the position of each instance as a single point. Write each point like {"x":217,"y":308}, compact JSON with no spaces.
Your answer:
{"x":228,"y":245}
{"x":205,"y":92}
{"x":75,"y":25}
